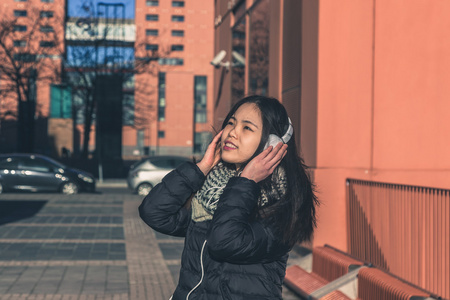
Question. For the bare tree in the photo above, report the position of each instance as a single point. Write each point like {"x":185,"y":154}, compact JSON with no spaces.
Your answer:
{"x":95,"y":50}
{"x":36,"y":47}
{"x":259,"y":49}
{"x":28,"y":54}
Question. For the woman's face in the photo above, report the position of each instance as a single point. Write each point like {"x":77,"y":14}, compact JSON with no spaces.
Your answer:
{"x":242,"y":135}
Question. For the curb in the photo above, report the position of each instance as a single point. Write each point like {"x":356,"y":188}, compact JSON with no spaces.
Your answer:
{"x":115,"y":184}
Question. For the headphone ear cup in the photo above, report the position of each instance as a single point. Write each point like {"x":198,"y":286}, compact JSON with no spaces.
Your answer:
{"x":273,"y":140}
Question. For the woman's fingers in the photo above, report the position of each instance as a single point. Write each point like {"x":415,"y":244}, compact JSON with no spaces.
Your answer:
{"x":216,"y":139}
{"x":275,"y":154}
{"x":281,"y":154}
{"x":267,"y":154}
{"x":265,"y":163}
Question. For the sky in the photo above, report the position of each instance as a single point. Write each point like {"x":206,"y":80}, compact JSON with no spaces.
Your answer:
{"x":86,"y":8}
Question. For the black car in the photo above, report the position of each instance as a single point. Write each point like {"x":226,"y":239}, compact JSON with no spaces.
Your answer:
{"x":34,"y":172}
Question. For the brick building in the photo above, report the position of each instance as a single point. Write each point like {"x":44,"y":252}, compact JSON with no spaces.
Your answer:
{"x":364,"y":85}
{"x":180,"y":89}
{"x":32,"y":40}
{"x":167,"y":104}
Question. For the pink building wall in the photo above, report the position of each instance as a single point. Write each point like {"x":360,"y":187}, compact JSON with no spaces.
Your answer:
{"x":365,"y":84}
{"x":382,"y":100}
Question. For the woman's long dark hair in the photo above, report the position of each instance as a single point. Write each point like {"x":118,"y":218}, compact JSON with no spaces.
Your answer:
{"x":294,"y":216}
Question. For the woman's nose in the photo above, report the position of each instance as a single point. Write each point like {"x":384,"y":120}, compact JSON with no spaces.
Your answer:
{"x":232,"y":132}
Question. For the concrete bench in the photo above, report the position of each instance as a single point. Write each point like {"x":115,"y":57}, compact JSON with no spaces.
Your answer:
{"x":332,"y":269}
{"x":374,"y":284}
{"x":328,"y":266}
{"x":335,"y":295}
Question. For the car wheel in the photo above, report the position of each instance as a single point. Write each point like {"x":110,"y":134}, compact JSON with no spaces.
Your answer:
{"x":69,"y":188}
{"x":143,"y":189}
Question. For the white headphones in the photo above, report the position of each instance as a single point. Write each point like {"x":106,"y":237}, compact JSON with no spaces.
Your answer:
{"x":273,"y":139}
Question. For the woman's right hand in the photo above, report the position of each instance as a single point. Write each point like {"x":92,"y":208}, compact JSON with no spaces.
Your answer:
{"x":212,"y":155}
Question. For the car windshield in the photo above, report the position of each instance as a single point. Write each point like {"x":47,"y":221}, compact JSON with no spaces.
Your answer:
{"x":137,"y":164}
{"x":54,"y":162}
{"x":162,"y":163}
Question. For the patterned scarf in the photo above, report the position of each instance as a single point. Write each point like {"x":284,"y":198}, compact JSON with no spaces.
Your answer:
{"x":205,"y":200}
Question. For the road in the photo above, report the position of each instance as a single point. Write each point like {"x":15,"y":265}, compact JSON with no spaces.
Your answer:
{"x":86,"y":246}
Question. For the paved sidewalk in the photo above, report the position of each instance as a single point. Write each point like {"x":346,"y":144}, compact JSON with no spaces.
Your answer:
{"x":86,"y":246}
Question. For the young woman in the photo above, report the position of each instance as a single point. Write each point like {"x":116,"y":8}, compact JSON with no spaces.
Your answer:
{"x":252,"y":201}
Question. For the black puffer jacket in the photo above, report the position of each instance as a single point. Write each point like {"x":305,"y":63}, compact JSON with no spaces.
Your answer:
{"x":240,"y":259}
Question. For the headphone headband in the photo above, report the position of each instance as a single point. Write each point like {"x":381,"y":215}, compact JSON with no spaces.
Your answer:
{"x":287,"y":136}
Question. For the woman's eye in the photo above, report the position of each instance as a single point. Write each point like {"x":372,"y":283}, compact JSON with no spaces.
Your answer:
{"x":248,"y":128}
{"x":230,"y":123}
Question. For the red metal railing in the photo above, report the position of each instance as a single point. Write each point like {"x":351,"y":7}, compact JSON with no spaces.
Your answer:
{"x":402,"y":229}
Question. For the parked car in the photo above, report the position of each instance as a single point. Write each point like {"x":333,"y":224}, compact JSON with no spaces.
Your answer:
{"x":34,"y":172}
{"x":148,"y":172}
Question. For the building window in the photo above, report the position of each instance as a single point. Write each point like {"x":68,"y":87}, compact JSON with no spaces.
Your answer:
{"x":171,"y":61}
{"x":200,"y":99}
{"x":46,"y":14}
{"x":60,"y":101}
{"x":20,"y":28}
{"x":151,"y":32}
{"x":162,"y":96}
{"x":177,"y":18}
{"x":151,"y":47}
{"x":47,"y":44}
{"x":152,"y":17}
{"x":177,"y":32}
{"x":18,"y":43}
{"x":177,"y":3}
{"x":47,"y":29}
{"x":25,"y":57}
{"x":152,"y":3}
{"x":177,"y":47}
{"x":20,"y":13}
{"x":201,"y":141}
{"x":128,"y":109}
{"x":258,"y":66}
{"x":161,"y":134}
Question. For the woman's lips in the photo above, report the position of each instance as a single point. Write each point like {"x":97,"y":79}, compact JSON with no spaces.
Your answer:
{"x":229,"y":146}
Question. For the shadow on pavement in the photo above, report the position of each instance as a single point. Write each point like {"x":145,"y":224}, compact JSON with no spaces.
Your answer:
{"x":15,"y":210}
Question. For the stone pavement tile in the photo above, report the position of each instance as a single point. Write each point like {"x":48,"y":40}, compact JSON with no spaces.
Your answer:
{"x":161,"y":236}
{"x":67,"y":210}
{"x":59,"y":232}
{"x":62,"y":251}
{"x":50,"y":280}
{"x":171,"y":251}
{"x":117,"y":280}
{"x":100,"y":200}
{"x":27,"y":280}
{"x":9,"y":275}
{"x":175,"y":271}
{"x":16,"y":270}
{"x":94,"y":280}
{"x":72,"y":282}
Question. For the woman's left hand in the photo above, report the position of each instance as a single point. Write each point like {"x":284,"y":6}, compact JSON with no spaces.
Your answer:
{"x":260,"y":167}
